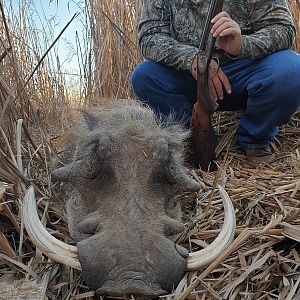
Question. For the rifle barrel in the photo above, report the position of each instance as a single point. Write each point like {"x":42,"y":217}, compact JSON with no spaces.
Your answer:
{"x":207,"y":25}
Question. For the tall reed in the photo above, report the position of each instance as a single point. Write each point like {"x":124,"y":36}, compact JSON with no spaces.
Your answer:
{"x":295,"y":10}
{"x":37,"y":96}
{"x":115,"y":50}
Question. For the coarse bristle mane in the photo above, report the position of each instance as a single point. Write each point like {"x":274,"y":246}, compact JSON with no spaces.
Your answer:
{"x":117,"y":113}
{"x":116,"y":120}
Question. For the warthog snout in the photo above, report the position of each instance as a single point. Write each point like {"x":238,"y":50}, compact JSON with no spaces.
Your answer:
{"x":137,"y":268}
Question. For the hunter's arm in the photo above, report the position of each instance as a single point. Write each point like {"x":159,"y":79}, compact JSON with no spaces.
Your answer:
{"x":273,"y":26}
{"x":155,"y":38}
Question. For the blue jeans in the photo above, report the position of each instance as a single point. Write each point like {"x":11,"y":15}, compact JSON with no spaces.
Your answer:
{"x":268,"y":90}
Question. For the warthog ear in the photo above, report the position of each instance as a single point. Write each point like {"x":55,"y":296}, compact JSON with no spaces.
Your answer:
{"x":181,"y":180}
{"x":176,"y":174}
{"x":89,"y":120}
{"x":61,"y":174}
{"x":80,"y":168}
{"x":187,"y":183}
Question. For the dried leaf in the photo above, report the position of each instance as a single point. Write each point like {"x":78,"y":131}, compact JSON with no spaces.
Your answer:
{"x":291,"y":231}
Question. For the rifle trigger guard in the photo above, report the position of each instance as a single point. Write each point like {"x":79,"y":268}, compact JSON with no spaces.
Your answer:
{"x":216,"y":59}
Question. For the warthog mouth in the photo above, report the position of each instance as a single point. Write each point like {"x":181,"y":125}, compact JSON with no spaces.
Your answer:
{"x":136,"y":288}
{"x":68,"y":254}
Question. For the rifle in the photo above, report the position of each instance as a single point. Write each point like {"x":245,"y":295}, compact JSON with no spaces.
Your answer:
{"x":202,"y":138}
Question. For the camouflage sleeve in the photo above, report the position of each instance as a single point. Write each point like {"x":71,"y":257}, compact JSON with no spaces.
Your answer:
{"x":155,"y":38}
{"x":273,"y":29}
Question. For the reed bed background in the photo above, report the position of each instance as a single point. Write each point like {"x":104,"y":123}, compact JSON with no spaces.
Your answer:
{"x":37,"y":107}
{"x":115,"y":49}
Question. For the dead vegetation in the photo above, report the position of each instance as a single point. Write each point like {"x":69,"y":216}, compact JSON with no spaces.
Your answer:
{"x":262,"y":262}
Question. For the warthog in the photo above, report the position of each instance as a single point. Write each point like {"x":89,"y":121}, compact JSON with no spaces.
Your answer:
{"x":118,"y":178}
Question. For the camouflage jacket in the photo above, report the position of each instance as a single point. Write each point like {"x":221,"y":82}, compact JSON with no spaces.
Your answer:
{"x":170,"y":30}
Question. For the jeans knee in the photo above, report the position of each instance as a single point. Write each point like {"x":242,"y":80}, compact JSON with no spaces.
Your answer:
{"x":145,"y":77}
{"x":286,"y":77}
{"x":287,"y":96}
{"x":285,"y":85}
{"x":285,"y":105}
{"x":137,"y":79}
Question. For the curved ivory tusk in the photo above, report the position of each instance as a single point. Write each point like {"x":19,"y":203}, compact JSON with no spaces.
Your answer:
{"x":205,"y":256}
{"x":67,"y":254}
{"x":42,"y":239}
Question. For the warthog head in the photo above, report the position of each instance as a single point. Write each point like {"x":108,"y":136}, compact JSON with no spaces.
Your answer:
{"x":118,"y":178}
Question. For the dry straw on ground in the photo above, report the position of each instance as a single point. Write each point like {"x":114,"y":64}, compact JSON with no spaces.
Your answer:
{"x":263,"y":261}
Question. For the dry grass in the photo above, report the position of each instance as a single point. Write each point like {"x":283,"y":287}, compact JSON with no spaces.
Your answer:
{"x":114,"y":48}
{"x":262,"y":263}
{"x":295,"y":10}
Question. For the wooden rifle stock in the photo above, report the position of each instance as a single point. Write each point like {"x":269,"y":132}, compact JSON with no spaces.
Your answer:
{"x":202,"y":138}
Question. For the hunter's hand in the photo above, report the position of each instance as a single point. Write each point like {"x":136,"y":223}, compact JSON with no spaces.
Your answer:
{"x":217,"y":80}
{"x":228,"y":33}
